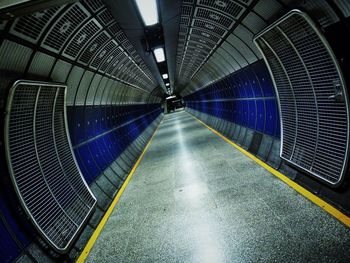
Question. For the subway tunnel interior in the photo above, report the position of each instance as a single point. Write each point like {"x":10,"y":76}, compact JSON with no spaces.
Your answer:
{"x":90,"y":133}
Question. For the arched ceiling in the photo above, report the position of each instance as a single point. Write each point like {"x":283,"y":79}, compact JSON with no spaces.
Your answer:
{"x":205,"y":40}
{"x":216,"y":36}
{"x":208,"y":39}
{"x":126,"y":14}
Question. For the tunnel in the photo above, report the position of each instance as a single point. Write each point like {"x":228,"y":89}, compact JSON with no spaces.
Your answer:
{"x":174,"y":131}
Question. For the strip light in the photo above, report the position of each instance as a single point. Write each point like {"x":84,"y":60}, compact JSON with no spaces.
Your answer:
{"x":149,"y":11}
{"x":159,"y":54}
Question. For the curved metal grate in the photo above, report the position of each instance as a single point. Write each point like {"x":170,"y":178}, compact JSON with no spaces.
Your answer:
{"x":43,"y":169}
{"x":312,"y":96}
{"x":30,"y":27}
{"x":85,"y":34}
{"x":95,"y":45}
{"x":228,"y":7}
{"x":64,"y":27}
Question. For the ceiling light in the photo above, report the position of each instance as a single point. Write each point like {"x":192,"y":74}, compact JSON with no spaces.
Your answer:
{"x":159,"y":54}
{"x":165,"y":76}
{"x":167,"y":84}
{"x":149,"y":11}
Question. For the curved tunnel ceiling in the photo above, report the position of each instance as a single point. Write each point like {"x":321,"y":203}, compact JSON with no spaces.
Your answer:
{"x":94,"y":46}
{"x":130,"y":22}
{"x":205,"y":40}
{"x":216,"y":36}
{"x":82,"y":45}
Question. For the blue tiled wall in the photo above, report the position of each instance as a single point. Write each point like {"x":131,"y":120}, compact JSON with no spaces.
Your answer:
{"x":99,"y":135}
{"x":15,"y":230}
{"x":246,"y":97}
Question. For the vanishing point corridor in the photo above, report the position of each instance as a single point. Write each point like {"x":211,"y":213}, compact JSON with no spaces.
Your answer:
{"x":195,"y":198}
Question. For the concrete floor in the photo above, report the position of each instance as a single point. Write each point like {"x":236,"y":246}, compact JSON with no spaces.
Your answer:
{"x":194,"y":198}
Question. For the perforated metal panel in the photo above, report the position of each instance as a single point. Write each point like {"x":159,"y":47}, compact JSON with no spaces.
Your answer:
{"x":204,"y":26}
{"x":105,"y":17}
{"x":42,"y":166}
{"x":94,"y":5}
{"x":30,"y":27}
{"x":84,"y":35}
{"x":228,"y":7}
{"x":102,"y":54}
{"x":312,"y":97}
{"x":91,"y":49}
{"x":214,"y":17}
{"x":64,"y":27}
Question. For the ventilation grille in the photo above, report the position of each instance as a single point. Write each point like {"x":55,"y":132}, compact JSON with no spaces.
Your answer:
{"x":205,"y":35}
{"x":94,"y":5}
{"x":214,"y":17}
{"x":93,"y":47}
{"x":219,"y":31}
{"x":226,"y":6}
{"x":114,"y":29}
{"x":312,"y":97}
{"x":103,"y":54}
{"x":43,"y":170}
{"x":113,"y":60}
{"x":81,"y":38}
{"x":105,"y":17}
{"x":203,"y":31}
{"x":186,"y":10}
{"x":64,"y":27}
{"x":31,"y":26}
{"x":108,"y":60}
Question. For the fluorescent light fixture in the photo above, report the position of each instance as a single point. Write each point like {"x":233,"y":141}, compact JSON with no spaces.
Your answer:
{"x":159,"y":54}
{"x":149,"y":11}
{"x":165,"y":76}
{"x":167,"y":84}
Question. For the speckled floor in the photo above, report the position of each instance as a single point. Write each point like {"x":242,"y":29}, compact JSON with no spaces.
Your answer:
{"x":194,"y":198}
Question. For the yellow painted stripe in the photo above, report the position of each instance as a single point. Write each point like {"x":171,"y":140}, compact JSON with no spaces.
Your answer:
{"x":102,"y":223}
{"x":301,"y":190}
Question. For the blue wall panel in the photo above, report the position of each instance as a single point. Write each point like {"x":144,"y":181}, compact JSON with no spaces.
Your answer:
{"x":98,"y":135}
{"x":101,"y":134}
{"x":246,"y":97}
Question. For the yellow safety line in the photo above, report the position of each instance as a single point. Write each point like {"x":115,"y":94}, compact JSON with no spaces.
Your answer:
{"x":102,"y":223}
{"x":301,"y":190}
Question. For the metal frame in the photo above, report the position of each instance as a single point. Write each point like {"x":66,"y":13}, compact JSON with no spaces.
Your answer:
{"x":339,"y":72}
{"x":9,"y":161}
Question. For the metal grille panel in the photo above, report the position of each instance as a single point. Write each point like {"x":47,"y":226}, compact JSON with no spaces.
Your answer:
{"x":81,"y":38}
{"x":43,"y":170}
{"x":214,"y":17}
{"x":64,"y":27}
{"x":93,"y":47}
{"x":226,"y":6}
{"x":105,"y":17}
{"x":94,"y":5}
{"x":102,"y":54}
{"x":31,"y":26}
{"x":312,"y":97}
{"x":186,"y":10}
{"x":212,"y":28}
